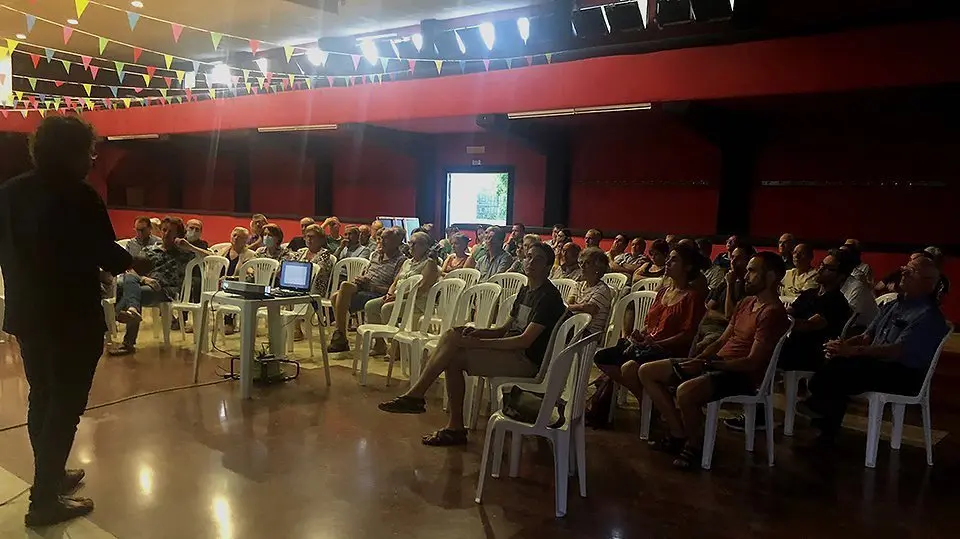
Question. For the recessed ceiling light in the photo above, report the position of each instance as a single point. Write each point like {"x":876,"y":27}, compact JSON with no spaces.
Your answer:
{"x":136,"y":4}
{"x":21,"y":36}
{"x":73,"y":21}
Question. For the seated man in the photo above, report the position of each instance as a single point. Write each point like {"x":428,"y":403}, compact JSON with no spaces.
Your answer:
{"x":592,"y":238}
{"x":144,"y":237}
{"x":514,"y":350}
{"x":722,"y":301}
{"x":618,"y":247}
{"x":255,"y":239}
{"x":713,"y":274}
{"x":786,"y":246}
{"x":858,"y":294}
{"x":863,"y":271}
{"x":891,"y":356}
{"x":350,"y":246}
{"x":494,"y":259}
{"x":517,"y":232}
{"x":161,"y":284}
{"x":331,"y":226}
{"x":723,"y":259}
{"x":369,"y":234}
{"x":631,"y":260}
{"x":195,"y":234}
{"x":569,"y":263}
{"x":384,"y":265}
{"x":298,"y":242}
{"x":802,"y":275}
{"x":891,"y":283}
{"x":733,"y":365}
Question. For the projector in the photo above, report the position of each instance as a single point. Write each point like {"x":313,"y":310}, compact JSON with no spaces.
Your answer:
{"x":247,"y":290}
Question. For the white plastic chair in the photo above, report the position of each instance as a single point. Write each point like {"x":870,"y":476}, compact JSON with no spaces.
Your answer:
{"x":441,"y":303}
{"x":764,"y":396}
{"x":565,"y":286}
{"x":568,"y":373}
{"x":648,"y":283}
{"x":469,"y":276}
{"x":298,"y":313}
{"x":479,"y":312}
{"x":353,"y":267}
{"x":886,"y":298}
{"x":787,"y":300}
{"x":877,"y":401}
{"x":406,"y":293}
{"x":211,"y":268}
{"x":264,"y":274}
{"x":641,"y":300}
{"x":616,"y":282}
{"x":510,"y":282}
{"x":217,"y":247}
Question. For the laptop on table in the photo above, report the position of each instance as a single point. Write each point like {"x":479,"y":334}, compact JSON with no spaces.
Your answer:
{"x":296,"y":279}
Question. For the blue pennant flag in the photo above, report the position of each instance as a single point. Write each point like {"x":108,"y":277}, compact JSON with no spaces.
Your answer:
{"x":132,"y":18}
{"x":31,"y":20}
{"x":48,"y":53}
{"x":113,"y":90}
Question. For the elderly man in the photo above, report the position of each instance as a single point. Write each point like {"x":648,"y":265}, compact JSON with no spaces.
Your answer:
{"x":255,"y":239}
{"x":785,"y":246}
{"x":631,"y":260}
{"x":617,"y":248}
{"x":891,"y":356}
{"x":802,"y":276}
{"x":494,"y":259}
{"x":723,"y":259}
{"x":552,"y":242}
{"x":350,"y":245}
{"x":863,"y":271}
{"x":592,"y":238}
{"x":143,"y":238}
{"x":298,"y":242}
{"x":331,"y":226}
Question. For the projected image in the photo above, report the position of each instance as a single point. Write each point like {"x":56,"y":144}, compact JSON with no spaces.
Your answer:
{"x":477,"y":197}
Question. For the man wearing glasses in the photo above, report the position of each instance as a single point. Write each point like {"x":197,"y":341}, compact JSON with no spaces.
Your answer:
{"x":144,"y":238}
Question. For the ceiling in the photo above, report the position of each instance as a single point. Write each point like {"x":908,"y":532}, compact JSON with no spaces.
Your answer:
{"x":274,"y":22}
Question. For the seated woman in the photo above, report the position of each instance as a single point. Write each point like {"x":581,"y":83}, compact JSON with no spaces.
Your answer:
{"x":237,"y":253}
{"x":315,"y":252}
{"x":569,"y":267}
{"x":669,"y":329}
{"x":273,"y":244}
{"x":659,"y":250}
{"x":592,"y":295}
{"x":458,"y":258}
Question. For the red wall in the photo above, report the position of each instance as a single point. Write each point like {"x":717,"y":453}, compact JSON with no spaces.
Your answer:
{"x":281,"y":181}
{"x":370,"y":180}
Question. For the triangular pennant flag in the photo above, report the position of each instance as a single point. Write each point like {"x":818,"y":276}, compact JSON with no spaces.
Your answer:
{"x":292,"y":78}
{"x":67,"y":32}
{"x":138,"y":90}
{"x":93,"y":71}
{"x":439,"y":64}
{"x":19,"y":95}
{"x":528,"y":59}
{"x":196,"y":66}
{"x":486,"y":65}
{"x":35,"y":58}
{"x":89,"y":102}
{"x":119,"y":66}
{"x":126,"y":101}
{"x":269,"y":76}
{"x":180,"y":75}
{"x":86,"y":61}
{"x":43,"y":113}
{"x":81,"y":6}
{"x":151,"y":70}
{"x":68,"y":101}
{"x":549,"y":57}
{"x":168,"y":60}
{"x":215,"y":37}
{"x":189,"y":93}
{"x":213,"y":93}
{"x":163,"y":92}
{"x":463,"y":65}
{"x":254,"y":46}
{"x":248,"y":85}
{"x":412,"y":64}
{"x":234,"y":80}
{"x":246,"y":74}
{"x":33,"y":101}
{"x":310,"y":83}
{"x":330,"y":81}
{"x":146,"y":79}
{"x":12,"y":44}
{"x":48,"y":53}
{"x":33,"y":83}
{"x":285,"y":84}
{"x":103,"y":43}
{"x":260,"y":81}
{"x":58,"y":83}
{"x":66,"y":66}
{"x":168,"y":81}
{"x":132,"y":19}
{"x":384,"y":62}
{"x":113,"y":90}
{"x":107,"y":103}
{"x":31,"y":20}
{"x":163,"y":100}
{"x":356,"y":61}
{"x":177,"y":29}
{"x":288,"y":52}
{"x":4,"y":112}
{"x":87,"y":88}
{"x":179,"y":100}
{"x":137,"y":51}
{"x":56,"y":103}
{"x":24,"y":113}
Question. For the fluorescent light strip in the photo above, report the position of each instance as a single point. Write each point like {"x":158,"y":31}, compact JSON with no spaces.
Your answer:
{"x":133,"y":137}
{"x":572,"y":112}
{"x":288,"y":128}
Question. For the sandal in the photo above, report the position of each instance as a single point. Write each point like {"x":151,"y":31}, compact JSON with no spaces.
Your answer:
{"x":404,"y":405}
{"x":688,"y":459}
{"x":446,"y":438}
{"x":668,"y":444}
{"x":122,"y":350}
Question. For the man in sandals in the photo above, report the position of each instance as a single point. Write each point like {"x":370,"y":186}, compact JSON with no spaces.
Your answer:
{"x":733,"y":365}
{"x":514,"y":350}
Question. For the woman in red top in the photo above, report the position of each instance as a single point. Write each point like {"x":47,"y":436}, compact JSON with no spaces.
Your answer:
{"x":669,"y":328}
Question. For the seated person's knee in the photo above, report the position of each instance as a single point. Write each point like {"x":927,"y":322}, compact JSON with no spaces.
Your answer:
{"x":653,"y":371}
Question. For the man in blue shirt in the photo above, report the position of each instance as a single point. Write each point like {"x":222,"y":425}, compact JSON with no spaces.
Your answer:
{"x":892,"y":355}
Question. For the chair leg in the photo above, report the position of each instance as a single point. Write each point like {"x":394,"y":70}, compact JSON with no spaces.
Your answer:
{"x":367,"y":342}
{"x":709,"y":434}
{"x":516,"y":447}
{"x":484,"y":462}
{"x":498,"y":448}
{"x":768,"y":417}
{"x":477,"y":402}
{"x":613,"y":402}
{"x":790,"y":383}
{"x":308,"y":324}
{"x":468,"y":386}
{"x":750,"y":425}
{"x":390,"y":362}
{"x":874,"y":419}
{"x":166,"y":318}
{"x":561,"y":463}
{"x":416,"y":356}
{"x":927,"y":430}
{"x":580,"y":438}
{"x":356,"y":352}
{"x":183,"y":325}
{"x":646,"y":412}
{"x":896,"y":435}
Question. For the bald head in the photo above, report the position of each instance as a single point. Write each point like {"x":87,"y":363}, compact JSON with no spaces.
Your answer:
{"x":786,"y":244}
{"x":919,"y":278}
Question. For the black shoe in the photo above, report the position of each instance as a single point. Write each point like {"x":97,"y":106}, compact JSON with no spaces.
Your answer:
{"x":175,"y":325}
{"x":71,"y":481}
{"x":338,"y":343}
{"x":739,"y":423}
{"x":60,"y":510}
{"x":404,"y":405}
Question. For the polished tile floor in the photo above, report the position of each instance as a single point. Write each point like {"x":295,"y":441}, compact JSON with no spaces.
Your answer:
{"x":302,"y":460}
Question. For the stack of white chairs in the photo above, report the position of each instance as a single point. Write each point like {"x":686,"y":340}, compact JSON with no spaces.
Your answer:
{"x":565,"y":287}
{"x":264,"y":273}
{"x":353,"y":267}
{"x":469,"y":276}
{"x":652,"y":284}
{"x":437,"y":319}
{"x":567,"y":375}
{"x":211,"y":269}
{"x":401,"y":319}
{"x":510,"y":282}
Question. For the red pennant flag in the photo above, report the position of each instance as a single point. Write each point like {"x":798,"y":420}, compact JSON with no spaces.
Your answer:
{"x":269,"y":77}
{"x":151,"y":70}
{"x":68,"y":100}
{"x":486,"y":65}
{"x":412,"y":63}
{"x":59,"y":83}
{"x":286,"y":84}
{"x":137,"y":51}
{"x":254,"y":46}
{"x":4,"y":112}
{"x":177,"y":29}
{"x":356,"y":61}
{"x":189,"y":93}
{"x":256,"y":89}
{"x":94,"y":70}
{"x":168,"y":80}
{"x":35,"y":58}
{"x":106,"y":102}
{"x":86,"y":61}
{"x":67,"y":32}
{"x":330,"y":81}
{"x":138,"y":90}
{"x":163,"y":100}
{"x":33,"y":101}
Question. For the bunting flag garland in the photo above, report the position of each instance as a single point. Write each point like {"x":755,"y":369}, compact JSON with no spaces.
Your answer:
{"x":33,"y":83}
{"x":127,"y":101}
{"x":177,"y":29}
{"x":58,"y":83}
{"x":213,"y":93}
{"x":12,"y":44}
{"x":93,"y":71}
{"x":48,"y":53}
{"x":486,"y":65}
{"x":216,"y":37}
{"x":180,"y":75}
{"x":137,"y":51}
{"x":310,"y":83}
{"x":132,"y":19}
{"x":81,"y":6}
{"x":31,"y":21}
{"x":549,"y":57}
{"x":246,"y":74}
{"x":254,"y":46}
{"x":167,"y":60}
{"x":163,"y":92}
{"x":87,"y":88}
{"x":151,"y":71}
{"x":113,"y":90}
{"x":260,"y":81}
{"x":168,"y":81}
{"x":86,"y":61}
{"x":439,"y":64}
{"x":119,"y":66}
{"x":248,"y":85}
{"x":384,"y":62}
{"x":146,"y":79}
{"x":102,"y":43}
{"x":330,"y":81}
{"x":292,"y":78}
{"x":412,"y":64}
{"x":288,"y":52}
{"x":66,"y":66}
{"x":356,"y":61}
{"x":35,"y":58}
{"x":67,"y":32}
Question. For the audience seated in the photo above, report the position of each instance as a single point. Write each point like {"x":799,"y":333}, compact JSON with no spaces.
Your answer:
{"x":659,"y":250}
{"x":143,"y":238}
{"x":722,"y":301}
{"x":592,"y":295}
{"x":569,"y":266}
{"x":446,"y":244}
{"x":350,"y":246}
{"x":238,"y":252}
{"x":316,"y":252}
{"x":273,"y":244}
{"x":714,"y":273}
{"x":522,"y":252}
{"x":891,"y":283}
{"x":632,"y":259}
{"x":669,"y":328}
{"x":331,"y":227}
{"x":516,"y":349}
{"x":785,"y":247}
{"x":195,"y":234}
{"x":891,"y":356}
{"x":672,"y":241}
{"x":618,"y":247}
{"x":376,"y":280}
{"x":298,"y":242}
{"x":858,"y":294}
{"x":723,"y":259}
{"x":495,"y":259}
{"x":155,"y":223}
{"x":255,"y":237}
{"x":801,"y":275}
{"x":552,"y":242}
{"x":733,"y":365}
{"x":372,"y":233}
{"x":517,"y":233}
{"x":479,"y":250}
{"x":458,"y":258}
{"x":592,"y":238}
{"x":161,"y":284}
{"x":863,"y":271}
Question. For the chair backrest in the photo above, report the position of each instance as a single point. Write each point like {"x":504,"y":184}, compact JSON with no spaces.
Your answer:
{"x":406,"y":292}
{"x":187,"y":287}
{"x":218,"y":246}
{"x":616,"y":282}
{"x":562,"y":334}
{"x":565,"y":286}
{"x":768,"y":377}
{"x":264,"y":270}
{"x":123,"y":242}
{"x":441,"y":302}
{"x":787,"y":300}
{"x":510,"y":282}
{"x":503,"y":311}
{"x":886,"y":298}
{"x":476,"y":305}
{"x":925,"y":388}
{"x":642,"y":300}
{"x":355,"y":267}
{"x":572,"y":364}
{"x":211,"y":269}
{"x":469,"y":276}
{"x":647,"y":283}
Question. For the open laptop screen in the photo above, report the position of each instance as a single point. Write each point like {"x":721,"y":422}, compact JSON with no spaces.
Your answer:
{"x":295,"y":275}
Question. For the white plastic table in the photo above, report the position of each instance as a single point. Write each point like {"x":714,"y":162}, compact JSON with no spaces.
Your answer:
{"x":248,"y":331}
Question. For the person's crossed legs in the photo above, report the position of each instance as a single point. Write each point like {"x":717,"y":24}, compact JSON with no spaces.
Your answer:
{"x":133,"y":297}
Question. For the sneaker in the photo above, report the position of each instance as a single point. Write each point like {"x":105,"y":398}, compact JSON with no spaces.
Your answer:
{"x":62,"y":509}
{"x":338,"y":343}
{"x":129,"y":316}
{"x":739,"y":423}
{"x":72,"y":480}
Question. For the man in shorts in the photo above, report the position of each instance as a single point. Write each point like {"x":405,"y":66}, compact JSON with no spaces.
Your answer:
{"x":516,"y":349}
{"x":733,"y":365}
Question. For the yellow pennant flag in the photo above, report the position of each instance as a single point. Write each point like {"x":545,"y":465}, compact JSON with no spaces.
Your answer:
{"x":81,"y":6}
{"x":439,"y":64}
{"x":246,"y":74}
{"x":24,"y":112}
{"x":168,"y":59}
{"x":126,"y":101}
{"x":249,"y":87}
{"x":12,"y":45}
{"x":19,"y":95}
{"x":292,"y":79}
{"x":87,"y":87}
{"x":179,"y":76}
{"x":56,"y":103}
{"x":287,"y":50}
{"x":146,"y":79}
{"x":216,"y":37}
{"x":549,"y":56}
{"x":42,"y":112}
{"x":260,"y":81}
{"x":310,"y":82}
{"x":89,"y":102}
{"x":213,"y":93}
